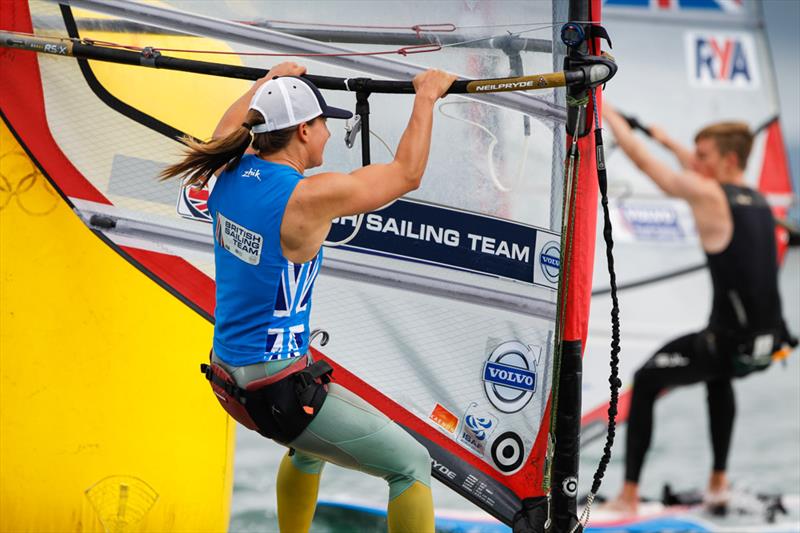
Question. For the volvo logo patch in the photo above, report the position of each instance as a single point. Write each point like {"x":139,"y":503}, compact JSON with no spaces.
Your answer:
{"x":507,"y":452}
{"x":509,"y":376}
{"x":550,"y":261}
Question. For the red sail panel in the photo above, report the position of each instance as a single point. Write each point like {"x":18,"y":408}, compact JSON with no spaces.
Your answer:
{"x":580,"y":261}
{"x":22,"y":105}
{"x":775,"y":182}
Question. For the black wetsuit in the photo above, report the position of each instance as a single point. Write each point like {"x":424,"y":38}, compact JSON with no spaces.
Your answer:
{"x":745,"y":303}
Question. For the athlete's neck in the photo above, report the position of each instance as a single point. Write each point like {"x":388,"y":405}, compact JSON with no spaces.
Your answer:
{"x":734,"y":178}
{"x":285,"y":159}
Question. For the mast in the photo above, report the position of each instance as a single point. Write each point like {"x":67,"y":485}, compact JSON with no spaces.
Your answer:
{"x":577,"y":252}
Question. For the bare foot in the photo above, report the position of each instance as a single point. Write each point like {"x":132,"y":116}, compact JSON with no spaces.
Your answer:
{"x":627,"y":502}
{"x":620,"y":505}
{"x":717,"y":495}
{"x":718,"y":482}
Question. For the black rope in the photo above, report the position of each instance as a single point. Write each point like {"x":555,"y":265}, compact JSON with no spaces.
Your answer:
{"x":613,"y":379}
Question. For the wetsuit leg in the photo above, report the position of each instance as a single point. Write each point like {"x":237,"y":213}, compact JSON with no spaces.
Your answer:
{"x":683,"y":361}
{"x":298,"y":487}
{"x":349,"y":432}
{"x":721,"y":414}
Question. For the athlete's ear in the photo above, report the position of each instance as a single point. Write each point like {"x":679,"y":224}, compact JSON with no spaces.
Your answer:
{"x":302,"y":131}
{"x":732,"y":159}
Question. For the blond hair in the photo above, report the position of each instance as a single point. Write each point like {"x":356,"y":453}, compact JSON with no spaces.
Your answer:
{"x":729,"y":137}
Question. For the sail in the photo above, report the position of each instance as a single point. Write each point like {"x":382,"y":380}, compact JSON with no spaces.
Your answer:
{"x":711,"y":63}
{"x":441,"y":307}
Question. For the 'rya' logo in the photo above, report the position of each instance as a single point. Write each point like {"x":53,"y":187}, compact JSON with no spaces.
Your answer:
{"x":722,"y":61}
{"x":550,"y":261}
{"x":509,"y":376}
{"x":252,"y":173}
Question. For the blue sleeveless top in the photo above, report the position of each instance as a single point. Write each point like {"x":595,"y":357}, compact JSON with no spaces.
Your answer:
{"x":263,"y":299}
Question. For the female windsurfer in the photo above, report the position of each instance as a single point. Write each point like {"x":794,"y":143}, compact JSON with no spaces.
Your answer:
{"x":737,"y":233}
{"x":270,"y":222}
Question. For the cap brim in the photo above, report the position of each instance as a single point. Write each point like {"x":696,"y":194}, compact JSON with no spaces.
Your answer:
{"x":335,"y":112}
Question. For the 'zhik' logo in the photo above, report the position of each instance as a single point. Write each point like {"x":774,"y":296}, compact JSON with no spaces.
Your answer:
{"x":252,"y":173}
{"x":509,"y":376}
{"x":722,"y":61}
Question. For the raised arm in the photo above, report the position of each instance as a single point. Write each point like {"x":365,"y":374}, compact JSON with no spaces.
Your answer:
{"x":685,"y":156}
{"x":237,"y":112}
{"x":319,"y":199}
{"x":337,"y":194}
{"x":686,"y":184}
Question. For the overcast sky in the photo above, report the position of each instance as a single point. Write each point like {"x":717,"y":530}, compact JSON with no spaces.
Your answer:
{"x":783,"y":29}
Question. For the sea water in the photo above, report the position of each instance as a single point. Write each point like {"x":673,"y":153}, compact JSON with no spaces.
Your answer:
{"x":765,"y":452}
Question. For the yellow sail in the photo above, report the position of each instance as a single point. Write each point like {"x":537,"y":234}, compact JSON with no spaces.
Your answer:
{"x":106,"y":423}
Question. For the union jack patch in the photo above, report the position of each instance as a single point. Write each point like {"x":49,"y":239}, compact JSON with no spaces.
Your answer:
{"x":193,"y":202}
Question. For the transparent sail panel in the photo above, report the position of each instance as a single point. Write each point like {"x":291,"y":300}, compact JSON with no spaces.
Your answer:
{"x":490,"y":156}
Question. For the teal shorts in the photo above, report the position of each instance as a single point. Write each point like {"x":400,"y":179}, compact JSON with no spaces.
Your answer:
{"x":351,"y":433}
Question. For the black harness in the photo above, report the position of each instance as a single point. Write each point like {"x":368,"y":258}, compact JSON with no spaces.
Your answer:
{"x":280,"y":406}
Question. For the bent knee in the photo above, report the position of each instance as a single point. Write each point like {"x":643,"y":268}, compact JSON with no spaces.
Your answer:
{"x":307,"y":463}
{"x":421,"y":464}
{"x":416,"y":466}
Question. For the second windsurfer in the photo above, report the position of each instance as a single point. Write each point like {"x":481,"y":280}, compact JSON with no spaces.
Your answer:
{"x":737,"y":233}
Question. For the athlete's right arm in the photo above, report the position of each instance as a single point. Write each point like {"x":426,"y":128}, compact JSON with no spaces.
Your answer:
{"x":333,"y":194}
{"x":685,"y":156}
{"x":685,"y":184}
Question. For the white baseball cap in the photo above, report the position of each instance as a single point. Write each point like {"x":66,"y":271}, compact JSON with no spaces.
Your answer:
{"x":288,"y":101}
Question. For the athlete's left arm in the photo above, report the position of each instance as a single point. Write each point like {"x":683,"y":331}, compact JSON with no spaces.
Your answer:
{"x":237,"y":112}
{"x":684,"y":184}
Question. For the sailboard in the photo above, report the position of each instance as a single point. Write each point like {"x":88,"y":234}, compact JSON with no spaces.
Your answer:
{"x":748,"y":512}
{"x":456,"y":310}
